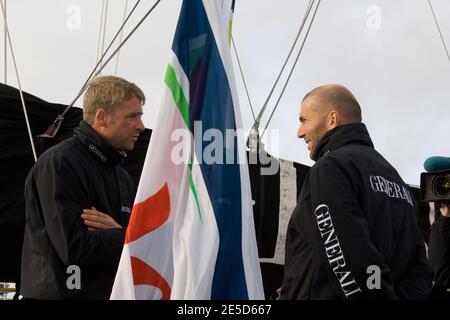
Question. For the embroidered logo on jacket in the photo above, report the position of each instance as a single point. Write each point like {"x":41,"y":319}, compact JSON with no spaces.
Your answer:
{"x":97,"y":152}
{"x":334,"y":252}
{"x":126,"y":209}
{"x":392,"y":190}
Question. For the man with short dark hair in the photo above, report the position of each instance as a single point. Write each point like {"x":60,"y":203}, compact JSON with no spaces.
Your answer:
{"x":79,"y":199}
{"x":353,"y":233}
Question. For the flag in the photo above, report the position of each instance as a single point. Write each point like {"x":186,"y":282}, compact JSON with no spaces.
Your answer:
{"x":191,"y":232}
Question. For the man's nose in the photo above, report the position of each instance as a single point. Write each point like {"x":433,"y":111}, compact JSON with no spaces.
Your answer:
{"x":140,"y":125}
{"x":301,"y":132}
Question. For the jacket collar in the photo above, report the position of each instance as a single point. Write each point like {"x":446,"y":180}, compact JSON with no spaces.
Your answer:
{"x":354,"y":133}
{"x":98,"y":147}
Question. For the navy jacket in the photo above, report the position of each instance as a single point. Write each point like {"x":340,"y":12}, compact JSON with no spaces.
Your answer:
{"x":80,"y":172}
{"x":439,"y":253}
{"x":354,"y":233}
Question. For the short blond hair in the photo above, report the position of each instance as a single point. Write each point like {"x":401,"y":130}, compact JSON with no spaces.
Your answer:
{"x":107,"y":92}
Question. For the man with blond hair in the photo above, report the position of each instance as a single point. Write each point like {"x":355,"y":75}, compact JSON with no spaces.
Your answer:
{"x":79,"y":199}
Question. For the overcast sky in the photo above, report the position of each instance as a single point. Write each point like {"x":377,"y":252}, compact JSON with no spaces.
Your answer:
{"x":387,"y":52}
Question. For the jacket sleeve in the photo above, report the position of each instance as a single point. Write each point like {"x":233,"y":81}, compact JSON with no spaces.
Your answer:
{"x":439,"y":251}
{"x":343,"y":237}
{"x":62,"y":196}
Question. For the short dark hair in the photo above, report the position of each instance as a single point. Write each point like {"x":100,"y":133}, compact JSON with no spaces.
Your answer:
{"x":340,"y":98}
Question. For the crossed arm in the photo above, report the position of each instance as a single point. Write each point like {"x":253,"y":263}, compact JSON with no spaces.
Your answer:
{"x":96,"y":220}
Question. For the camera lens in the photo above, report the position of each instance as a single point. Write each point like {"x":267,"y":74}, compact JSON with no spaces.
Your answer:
{"x":441,"y":186}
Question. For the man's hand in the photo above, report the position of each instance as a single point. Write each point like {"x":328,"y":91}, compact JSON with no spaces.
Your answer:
{"x":444,"y":210}
{"x":96,"y":220}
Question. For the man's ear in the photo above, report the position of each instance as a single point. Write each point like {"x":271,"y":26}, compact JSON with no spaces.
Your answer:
{"x":334,"y":119}
{"x":101,"y":118}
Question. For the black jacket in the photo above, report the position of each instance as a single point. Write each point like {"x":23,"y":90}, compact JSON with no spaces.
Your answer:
{"x":439,"y":253}
{"x":80,"y":172}
{"x":355,"y":220}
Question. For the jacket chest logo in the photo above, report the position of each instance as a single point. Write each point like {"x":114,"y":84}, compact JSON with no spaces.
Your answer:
{"x":98,"y":153}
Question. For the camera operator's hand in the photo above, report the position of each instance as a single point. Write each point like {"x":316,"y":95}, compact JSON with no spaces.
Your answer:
{"x":445,"y":210}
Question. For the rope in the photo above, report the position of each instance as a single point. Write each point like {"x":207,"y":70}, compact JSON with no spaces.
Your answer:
{"x":104,"y":30}
{"x":121,"y":34}
{"x":53,"y":129}
{"x":439,"y":30}
{"x":100,"y":31}
{"x":292,"y":69}
{"x":93,"y":74}
{"x":98,"y":63}
{"x":258,"y":119}
{"x":18,"y":81}
{"x":243,"y":78}
{"x":126,"y":39}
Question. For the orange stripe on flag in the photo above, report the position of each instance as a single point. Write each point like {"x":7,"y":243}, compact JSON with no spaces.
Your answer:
{"x":143,"y":274}
{"x":149,"y":214}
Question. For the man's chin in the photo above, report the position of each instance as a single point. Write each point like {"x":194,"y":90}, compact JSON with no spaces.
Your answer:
{"x":129,"y":147}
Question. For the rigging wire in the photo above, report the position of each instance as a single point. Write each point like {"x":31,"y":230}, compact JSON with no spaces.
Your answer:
{"x":18,"y":81}
{"x":439,"y":30}
{"x":292,"y":69}
{"x":52,"y":130}
{"x":126,"y":39}
{"x":99,"y":61}
{"x":258,"y":119}
{"x":100,"y":31}
{"x":243,"y":78}
{"x":104,"y":30}
{"x":104,"y":54}
{"x":121,"y":34}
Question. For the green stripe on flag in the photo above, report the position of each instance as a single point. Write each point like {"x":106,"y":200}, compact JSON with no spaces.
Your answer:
{"x":194,"y":191}
{"x":183,"y":105}
{"x":230,"y":26}
{"x":178,"y":95}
